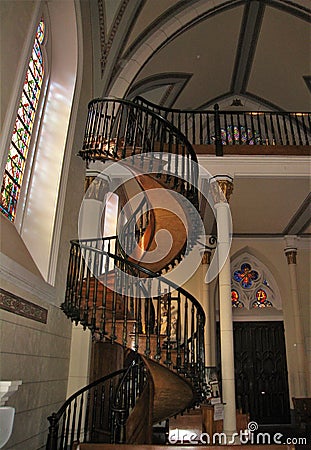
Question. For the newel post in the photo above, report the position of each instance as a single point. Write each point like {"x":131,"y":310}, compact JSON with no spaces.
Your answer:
{"x":53,"y":433}
{"x":218,"y":141}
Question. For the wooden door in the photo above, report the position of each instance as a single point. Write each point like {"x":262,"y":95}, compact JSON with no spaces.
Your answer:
{"x":261,"y":371}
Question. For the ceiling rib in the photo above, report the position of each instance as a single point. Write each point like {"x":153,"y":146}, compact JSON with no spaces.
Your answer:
{"x":301,"y":219}
{"x":250,"y":29}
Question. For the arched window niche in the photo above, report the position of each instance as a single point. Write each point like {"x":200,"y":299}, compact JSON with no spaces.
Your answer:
{"x":40,"y":207}
{"x":254,"y":292}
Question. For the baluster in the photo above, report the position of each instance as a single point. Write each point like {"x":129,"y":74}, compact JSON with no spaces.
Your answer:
{"x":95,"y":271}
{"x":226,"y":129}
{"x":239,"y":128}
{"x":298,"y":129}
{"x":86,"y":140}
{"x":261,"y":140}
{"x":218,"y":141}
{"x":193,"y":129}
{"x":186,"y":357}
{"x":66,"y":440}
{"x":80,"y":417}
{"x":69,"y":277}
{"x":73,"y":303}
{"x":63,"y":432}
{"x":272,"y":129}
{"x":292,"y":129}
{"x":147,"y":325}
{"x":285,"y":129}
{"x":201,"y":141}
{"x":94,"y":413}
{"x":280,"y":141}
{"x":125,"y":313}
{"x":86,"y":419}
{"x":158,"y":329}
{"x":208,"y":127}
{"x":266,"y":128}
{"x":178,"y":333}
{"x":92,"y":137}
{"x":246,"y":128}
{"x":309,"y":122}
{"x":253,"y":129}
{"x":87,"y":296}
{"x":102,"y":406}
{"x":110,"y":412}
{"x":192,"y":337}
{"x":144,"y":132}
{"x":73,"y":423}
{"x":305,"y":129}
{"x":114,"y":307}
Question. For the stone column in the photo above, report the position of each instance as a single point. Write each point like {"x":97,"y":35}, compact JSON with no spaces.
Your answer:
{"x":300,"y":384}
{"x":221,"y":197}
{"x":206,"y":303}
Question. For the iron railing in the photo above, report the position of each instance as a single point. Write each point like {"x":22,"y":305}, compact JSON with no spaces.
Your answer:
{"x":220,"y":128}
{"x":117,"y":129}
{"x":99,"y":411}
{"x":120,"y":301}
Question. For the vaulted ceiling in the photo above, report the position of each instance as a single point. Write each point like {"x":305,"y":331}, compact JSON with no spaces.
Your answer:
{"x":191,"y":54}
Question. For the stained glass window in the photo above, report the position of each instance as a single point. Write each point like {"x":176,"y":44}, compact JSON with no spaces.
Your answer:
{"x":251,"y":285}
{"x":239,"y":135}
{"x":23,"y":127}
{"x":236,"y":303}
{"x":245,"y":276}
{"x":261,"y":300}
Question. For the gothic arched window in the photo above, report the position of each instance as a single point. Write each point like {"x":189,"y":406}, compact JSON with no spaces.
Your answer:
{"x":252,"y":285}
{"x":23,"y":129}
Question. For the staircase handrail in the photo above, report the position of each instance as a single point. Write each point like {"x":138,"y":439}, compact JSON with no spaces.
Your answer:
{"x":157,"y":116}
{"x":146,"y":271}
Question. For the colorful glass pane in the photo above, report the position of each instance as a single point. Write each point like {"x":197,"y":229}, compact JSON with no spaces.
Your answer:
{"x":236,"y":303}
{"x":245,"y":276}
{"x":239,"y":135}
{"x":261,"y":300}
{"x":22,"y":130}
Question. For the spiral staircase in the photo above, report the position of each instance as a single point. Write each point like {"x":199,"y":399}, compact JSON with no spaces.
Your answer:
{"x":129,"y":300}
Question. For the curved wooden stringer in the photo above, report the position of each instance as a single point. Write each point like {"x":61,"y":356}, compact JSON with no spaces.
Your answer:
{"x":122,"y":296}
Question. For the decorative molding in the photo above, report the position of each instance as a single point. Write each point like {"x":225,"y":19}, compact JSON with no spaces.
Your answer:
{"x":106,"y":45}
{"x":174,"y":82}
{"x":21,"y":307}
{"x":18,"y":276}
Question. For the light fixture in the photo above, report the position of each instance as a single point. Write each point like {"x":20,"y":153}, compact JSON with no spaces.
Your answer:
{"x":236,"y":102}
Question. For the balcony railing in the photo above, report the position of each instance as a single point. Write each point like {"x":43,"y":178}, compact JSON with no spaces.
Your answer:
{"x":224,"y":128}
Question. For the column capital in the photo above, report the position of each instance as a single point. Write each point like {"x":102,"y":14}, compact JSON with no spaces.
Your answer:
{"x":291,"y":254}
{"x":206,"y":257}
{"x":221,"y":188}
{"x":291,"y":249}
